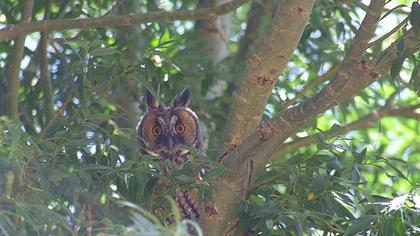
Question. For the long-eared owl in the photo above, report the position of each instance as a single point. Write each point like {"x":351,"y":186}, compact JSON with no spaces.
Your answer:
{"x":166,"y":131}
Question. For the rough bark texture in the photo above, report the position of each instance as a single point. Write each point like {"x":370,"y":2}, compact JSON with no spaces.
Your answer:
{"x":351,"y":77}
{"x":271,"y":134}
{"x":259,"y":148}
{"x":254,"y":27}
{"x":268,"y":136}
{"x":263,"y":68}
{"x":214,"y":33}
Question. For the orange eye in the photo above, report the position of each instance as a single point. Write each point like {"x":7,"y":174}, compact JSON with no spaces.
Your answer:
{"x":180,"y":129}
{"x":156,"y":131}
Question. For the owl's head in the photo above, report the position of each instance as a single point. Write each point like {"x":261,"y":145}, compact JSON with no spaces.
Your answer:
{"x":164,"y":131}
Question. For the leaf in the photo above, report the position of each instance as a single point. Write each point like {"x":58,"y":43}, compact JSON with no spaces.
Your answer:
{"x":335,"y":127}
{"x":167,"y":44}
{"x":319,"y":183}
{"x":194,"y":225}
{"x":175,"y":209}
{"x":415,"y":77}
{"x":392,"y":226}
{"x":399,"y":172}
{"x":414,"y":16}
{"x":185,"y":178}
{"x":396,"y":68}
{"x":269,"y":209}
{"x":216,"y":171}
{"x":100,"y":52}
{"x":355,"y":175}
{"x":362,"y":223}
{"x":155,"y":220}
{"x":143,"y":226}
{"x":339,"y":208}
{"x":390,"y":11}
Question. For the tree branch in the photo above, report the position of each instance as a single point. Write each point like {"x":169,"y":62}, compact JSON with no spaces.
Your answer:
{"x":285,"y":123}
{"x":310,"y":86}
{"x":214,"y":33}
{"x":361,"y":79}
{"x":253,"y":31}
{"x":231,"y":188}
{"x":57,"y":115}
{"x":363,"y":123}
{"x":263,"y":68}
{"x":382,"y":63}
{"x":12,"y":72}
{"x":106,"y":21}
{"x":44,"y":70}
{"x":387,"y":35}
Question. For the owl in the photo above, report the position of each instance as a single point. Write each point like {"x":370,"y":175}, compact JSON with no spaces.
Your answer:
{"x":165,"y":132}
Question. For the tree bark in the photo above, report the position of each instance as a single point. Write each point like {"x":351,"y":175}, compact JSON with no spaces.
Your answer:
{"x":12,"y":73}
{"x":214,"y":33}
{"x":263,"y":68}
{"x":45,"y":71}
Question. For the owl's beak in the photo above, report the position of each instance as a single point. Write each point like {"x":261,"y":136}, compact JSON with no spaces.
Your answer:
{"x":171,"y":143}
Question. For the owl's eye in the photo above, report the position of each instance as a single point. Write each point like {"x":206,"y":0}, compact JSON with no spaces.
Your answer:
{"x":156,"y":131}
{"x":180,"y":128}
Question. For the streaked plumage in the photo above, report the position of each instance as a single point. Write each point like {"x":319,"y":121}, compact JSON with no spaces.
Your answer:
{"x":167,"y":133}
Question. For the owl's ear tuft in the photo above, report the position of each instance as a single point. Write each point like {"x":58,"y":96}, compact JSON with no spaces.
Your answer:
{"x":183,"y":99}
{"x":151,"y":101}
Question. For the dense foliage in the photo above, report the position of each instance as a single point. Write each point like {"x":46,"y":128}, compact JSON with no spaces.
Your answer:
{"x":70,"y":163}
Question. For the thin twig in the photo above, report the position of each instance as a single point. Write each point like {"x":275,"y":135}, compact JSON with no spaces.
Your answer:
{"x":57,"y":114}
{"x":44,"y":70}
{"x":385,"y":36}
{"x":62,"y":12}
{"x":310,"y":86}
{"x":285,"y":123}
{"x":264,"y":141}
{"x":363,"y":123}
{"x":121,"y":20}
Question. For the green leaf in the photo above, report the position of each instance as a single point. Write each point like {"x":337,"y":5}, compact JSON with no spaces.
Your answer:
{"x":415,"y":77}
{"x":185,"y":178}
{"x":392,"y":226}
{"x":361,"y":224}
{"x":335,"y":127}
{"x":392,"y":10}
{"x":396,"y":68}
{"x":339,"y":208}
{"x":100,"y":52}
{"x":396,"y":169}
{"x":216,"y":171}
{"x":414,"y":16}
